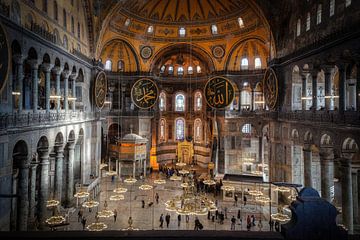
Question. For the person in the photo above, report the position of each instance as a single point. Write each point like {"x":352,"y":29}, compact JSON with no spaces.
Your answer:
{"x":161,"y":220}
{"x":239,"y":216}
{"x":115,"y":215}
{"x":248,"y":222}
{"x":216,"y":214}
{"x":179,"y":220}
{"x":112,"y":178}
{"x":142,"y":203}
{"x":235,"y":200}
{"x":83,"y":222}
{"x":253,"y":220}
{"x":197,"y":224}
{"x":271,"y":224}
{"x":80,"y":214}
{"x":277,"y":226}
{"x":97,"y":216}
{"x":130,"y":222}
{"x":105,"y":204}
{"x":260,"y":224}
{"x":221,"y":216}
{"x":157,"y":198}
{"x":225,"y":210}
{"x":245,"y":199}
{"x":167,"y":219}
{"x":187,"y":218}
{"x":233,"y":221}
{"x":209,"y":215}
{"x":213,"y":218}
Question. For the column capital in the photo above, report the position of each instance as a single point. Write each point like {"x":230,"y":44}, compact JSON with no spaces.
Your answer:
{"x":34,"y":63}
{"x":18,"y":58}
{"x":73,"y":76}
{"x":46,"y":67}
{"x":71,"y":145}
{"x":328,"y":68}
{"x":57,"y":70}
{"x":327,"y":154}
{"x":66,"y":73}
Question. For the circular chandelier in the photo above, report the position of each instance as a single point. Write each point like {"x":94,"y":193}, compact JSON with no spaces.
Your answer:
{"x":111,"y":173}
{"x":257,"y":172}
{"x":262,"y":199}
{"x":282,"y":189}
{"x":98,"y":226}
{"x":255,"y":193}
{"x":105,"y":213}
{"x":145,"y":187}
{"x":175,"y":178}
{"x":117,"y":197}
{"x":159,"y":181}
{"x":180,"y":164}
{"x":228,"y":188}
{"x":209,"y":182}
{"x":81,"y":194}
{"x":55,"y":220}
{"x":52,"y":203}
{"x":280,"y":217}
{"x":103,"y":165}
{"x":186,"y":185}
{"x":130,"y":180}
{"x":183,"y":172}
{"x":90,"y":204}
{"x":120,"y":190}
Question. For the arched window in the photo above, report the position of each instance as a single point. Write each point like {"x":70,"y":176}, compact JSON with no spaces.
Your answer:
{"x":162,"y":101}
{"x":244,"y":64}
{"x":180,"y":102}
{"x":180,"y":71}
{"x":198,"y":69}
{"x":127,"y":22}
{"x":246,"y":128}
{"x":78,"y":30}
{"x":245,"y":97}
{"x":257,"y":63}
{"x":171,"y":69}
{"x":64,"y":18}
{"x":198,"y":101}
{"x":182,"y":32}
{"x":190,"y":70}
{"x":162,"y":69}
{"x":298,"y":27}
{"x":150,"y":30}
{"x":72,"y":25}
{"x":56,"y":11}
{"x":308,"y":20}
{"x":214,"y":29}
{"x":121,"y":66}
{"x":45,"y":5}
{"x":180,"y":129}
{"x":108,"y":65}
{"x":318,"y":14}
{"x":65,"y":42}
{"x":332,"y":7}
{"x":198,"y":130}
{"x":241,"y":22}
{"x":162,"y":129}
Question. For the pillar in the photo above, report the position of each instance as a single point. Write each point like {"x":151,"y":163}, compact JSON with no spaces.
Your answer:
{"x":66,"y":75}
{"x":327,"y":172}
{"x":57,"y":71}
{"x":354,"y":179}
{"x":73,"y":102}
{"x":134,"y":169}
{"x":46,"y":67}
{"x":18,"y":59}
{"x":261,"y":150}
{"x":314,"y":90}
{"x":358,"y":86}
{"x":23,"y":191}
{"x":346,"y":194}
{"x":252,"y":107}
{"x":70,"y":173}
{"x":328,"y":89}
{"x":117,"y":166}
{"x":35,"y":79}
{"x":123,"y":89}
{"x":44,"y":185}
{"x":144,"y":168}
{"x":304,"y":78}
{"x":32,"y":193}
{"x":59,"y":162}
{"x":307,"y":166}
{"x":342,"y":89}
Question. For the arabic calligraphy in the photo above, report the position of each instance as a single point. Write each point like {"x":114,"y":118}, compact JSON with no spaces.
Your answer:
{"x":219,"y":92}
{"x":270,"y":88}
{"x":144,"y":93}
{"x":100,"y":89}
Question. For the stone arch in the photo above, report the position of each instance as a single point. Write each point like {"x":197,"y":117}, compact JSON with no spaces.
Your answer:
{"x":57,"y":62}
{"x":114,"y":131}
{"x":71,"y":136}
{"x":80,"y":77}
{"x":46,"y":58}
{"x":326,"y":140}
{"x":20,"y":150}
{"x":308,"y":137}
{"x":32,"y":54}
{"x":16,"y":48}
{"x":59,"y":140}
{"x":349,"y":145}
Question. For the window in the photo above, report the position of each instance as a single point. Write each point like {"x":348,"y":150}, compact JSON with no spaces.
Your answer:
{"x":162,"y":129}
{"x":182,"y":32}
{"x":121,"y":66}
{"x":56,"y":11}
{"x":244,"y":64}
{"x":150,"y":29}
{"x":127,"y":22}
{"x":72,"y":25}
{"x":246,"y":128}
{"x":318,"y":14}
{"x":65,"y":42}
{"x":108,"y":65}
{"x":64,"y":18}
{"x":347,"y":3}
{"x":241,"y":22}
{"x":197,"y":130}
{"x":180,"y":102}
{"x":171,"y":69}
{"x":162,"y":101}
{"x":298,"y":27}
{"x":180,"y":71}
{"x":180,"y":129}
{"x":332,"y":7}
{"x":72,"y":2}
{"x":214,"y":29}
{"x":257,"y":63}
{"x":45,"y":5}
{"x":308,"y":21}
{"x":78,"y":30}
{"x":198,"y":69}
{"x":198,"y":101}
{"x":190,"y":70}
{"x":162,"y":69}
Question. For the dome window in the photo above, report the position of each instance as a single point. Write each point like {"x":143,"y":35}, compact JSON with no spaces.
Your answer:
{"x":180,"y":71}
{"x":257,"y":63}
{"x":162,"y":69}
{"x":198,"y":69}
{"x":182,"y":32}
{"x":244,"y":64}
{"x":241,"y":22}
{"x":108,"y":65}
{"x":150,"y":30}
{"x":214,"y":29}
{"x":171,"y":70}
{"x":127,"y":22}
{"x":190,"y":70}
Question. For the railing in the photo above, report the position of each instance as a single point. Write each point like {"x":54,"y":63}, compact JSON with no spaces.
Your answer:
{"x":262,"y":114}
{"x":41,"y":31}
{"x":41,"y":118}
{"x":117,"y":113}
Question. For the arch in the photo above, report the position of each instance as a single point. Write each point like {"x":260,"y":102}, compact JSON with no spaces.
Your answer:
{"x":32,"y":54}
{"x":114,"y":132}
{"x":180,"y":126}
{"x":43,"y":144}
{"x":80,"y":77}
{"x":73,"y":70}
{"x":198,"y":101}
{"x":308,"y":137}
{"x":180,"y":102}
{"x":16,"y":48}
{"x":349,"y":145}
{"x":71,"y":137}
{"x":295,"y":135}
{"x":57,"y":62}
{"x":46,"y":58}
{"x":20,"y":149}
{"x":66,"y":66}
{"x":326,"y":140}
{"x":59,"y":140}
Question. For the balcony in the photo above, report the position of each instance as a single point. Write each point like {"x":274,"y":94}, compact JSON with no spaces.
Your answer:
{"x":263,"y":114}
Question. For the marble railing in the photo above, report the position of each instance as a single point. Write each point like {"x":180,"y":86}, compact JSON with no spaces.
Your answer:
{"x":116,"y":113}
{"x":244,"y":113}
{"x":15,"y":120}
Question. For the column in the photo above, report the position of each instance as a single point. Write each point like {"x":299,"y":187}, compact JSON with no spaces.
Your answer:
{"x":134,"y":169}
{"x":355,"y":194}
{"x":342,"y":89}
{"x":44,"y":185}
{"x":307,"y":166}
{"x":144,"y":168}
{"x":314,"y":89}
{"x":18,"y":59}
{"x":123,"y":89}
{"x":252,"y":107}
{"x":73,"y":103}
{"x":117,"y":166}
{"x":46,"y":67}
{"x":327,"y":172}
{"x":261,"y":149}
{"x":59,"y":162}
{"x":304,"y":78}
{"x":328,"y":86}
{"x":35,"y":79}
{"x":358,"y":87}
{"x":57,"y":71}
{"x":66,"y":74}
{"x":23,"y":191}
{"x":32,"y":193}
{"x":70,"y":173}
{"x":346,"y":193}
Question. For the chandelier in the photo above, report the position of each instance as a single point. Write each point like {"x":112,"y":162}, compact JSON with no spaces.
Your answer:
{"x":120,"y":190}
{"x":255,"y":193}
{"x":117,"y":197}
{"x":175,"y":178}
{"x":55,"y":220}
{"x":82,"y":194}
{"x":145,"y":187}
{"x":280,"y":217}
{"x":105,"y":213}
{"x":282,"y":189}
{"x":228,"y":188}
{"x":130,"y":180}
{"x":90,"y":204}
{"x":98,"y":226}
{"x":52,"y":203}
{"x":159,"y":181}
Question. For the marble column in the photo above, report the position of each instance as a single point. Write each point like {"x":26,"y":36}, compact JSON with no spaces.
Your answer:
{"x":307,"y":166}
{"x":23,"y":191}
{"x":304,"y":79}
{"x":327,"y":172}
{"x":117,"y":167}
{"x":32,"y":206}
{"x":252,"y":107}
{"x":354,"y":174}
{"x":34,"y":73}
{"x":358,"y":86}
{"x":346,"y":194}
{"x":314,"y":90}
{"x":261,"y":150}
{"x":144,"y":168}
{"x":73,"y":89}
{"x":19,"y":61}
{"x":66,"y":74}
{"x":342,"y":89}
{"x":59,"y":162}
{"x":46,"y":67}
{"x":70,"y":173}
{"x":134,"y":169}
{"x":44,"y":185}
{"x":57,"y":71}
{"x":328,"y":88}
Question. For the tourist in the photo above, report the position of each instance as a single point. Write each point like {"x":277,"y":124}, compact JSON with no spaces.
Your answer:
{"x":253,"y":220}
{"x":239,"y":216}
{"x":235,"y":200}
{"x":187,"y":218}
{"x":130,"y":222}
{"x":225,"y":210}
{"x":105,"y":204}
{"x":142,"y":203}
{"x":248,"y":222}
{"x":115,"y":215}
{"x":97,"y":217}
{"x":271,"y":224}
{"x":179,"y":220}
{"x":198,"y":225}
{"x":80,"y":214}
{"x":161,"y":220}
{"x":83,"y":222}
{"x":260,"y":225}
{"x":209,"y":215}
{"x":157,"y":198}
{"x":277,"y":226}
{"x":233,"y":221}
{"x":245,"y":199}
{"x":167,"y":219}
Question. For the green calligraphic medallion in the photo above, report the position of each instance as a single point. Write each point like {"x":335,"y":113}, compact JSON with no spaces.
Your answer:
{"x":4,"y":59}
{"x":144,"y":93}
{"x":219,"y":92}
{"x":270,"y":88}
{"x":100,"y":89}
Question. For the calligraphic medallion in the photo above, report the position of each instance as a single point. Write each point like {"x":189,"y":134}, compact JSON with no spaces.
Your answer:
{"x":5,"y":58}
{"x":270,"y":88}
{"x":146,"y":52}
{"x":144,"y":93}
{"x":100,"y":89}
{"x":219,"y":92}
